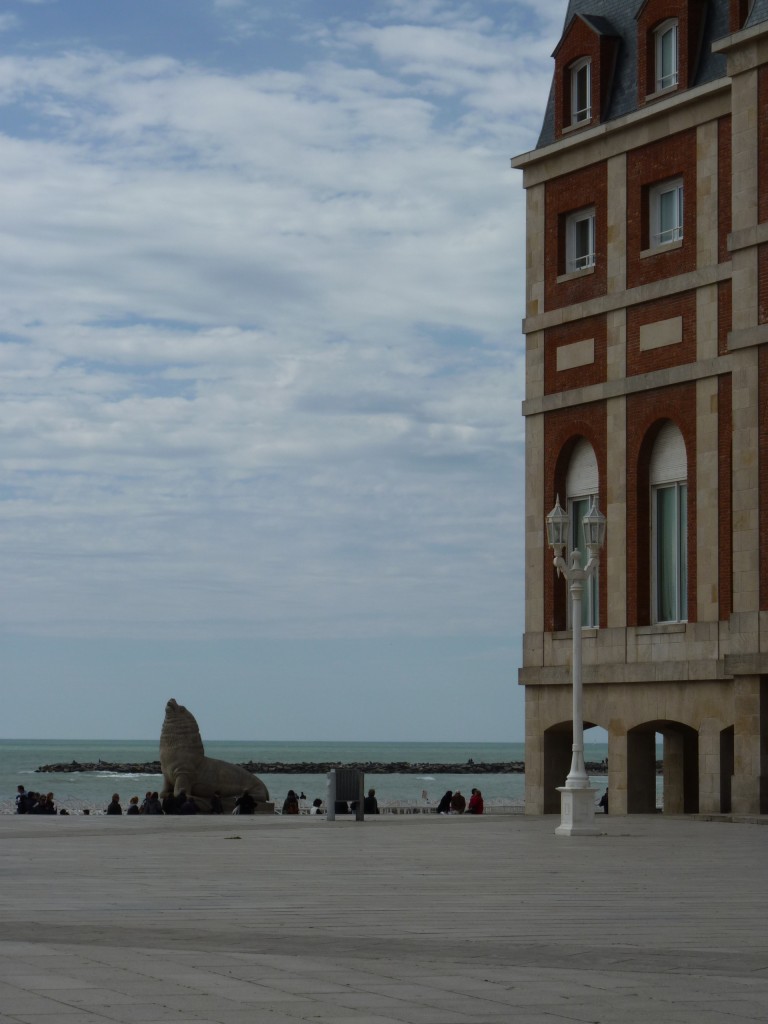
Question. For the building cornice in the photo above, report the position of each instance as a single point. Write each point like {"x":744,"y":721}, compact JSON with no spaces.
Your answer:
{"x":743,"y":45}
{"x":684,"y":373}
{"x":613,"y":301}
{"x":656,"y":120}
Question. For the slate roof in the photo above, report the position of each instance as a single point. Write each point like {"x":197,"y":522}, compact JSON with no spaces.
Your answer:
{"x":758,"y":13}
{"x":617,"y":17}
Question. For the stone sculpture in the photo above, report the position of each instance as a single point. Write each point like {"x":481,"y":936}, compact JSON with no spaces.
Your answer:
{"x":186,"y":768}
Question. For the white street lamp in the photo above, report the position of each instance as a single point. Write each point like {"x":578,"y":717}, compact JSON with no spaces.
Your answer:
{"x":577,"y":801}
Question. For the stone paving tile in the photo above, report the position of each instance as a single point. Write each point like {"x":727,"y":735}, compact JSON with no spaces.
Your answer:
{"x":543,"y":929}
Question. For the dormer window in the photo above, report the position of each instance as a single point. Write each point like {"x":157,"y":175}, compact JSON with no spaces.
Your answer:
{"x":580,"y":240}
{"x":666,"y":55}
{"x":581,"y":91}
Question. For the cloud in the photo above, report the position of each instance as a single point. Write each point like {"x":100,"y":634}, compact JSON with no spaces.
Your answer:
{"x":261,"y":364}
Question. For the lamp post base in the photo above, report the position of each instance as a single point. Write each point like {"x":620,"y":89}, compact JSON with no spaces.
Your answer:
{"x":577,"y":812}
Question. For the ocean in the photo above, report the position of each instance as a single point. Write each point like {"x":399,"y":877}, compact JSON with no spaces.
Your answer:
{"x":75,"y":791}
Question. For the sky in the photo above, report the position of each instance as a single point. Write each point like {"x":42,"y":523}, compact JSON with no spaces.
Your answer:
{"x":261,"y":361}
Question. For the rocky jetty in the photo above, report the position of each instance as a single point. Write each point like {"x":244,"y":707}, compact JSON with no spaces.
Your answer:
{"x":321,"y":768}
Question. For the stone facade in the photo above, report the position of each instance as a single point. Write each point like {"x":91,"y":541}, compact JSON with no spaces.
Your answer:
{"x":650,"y":330}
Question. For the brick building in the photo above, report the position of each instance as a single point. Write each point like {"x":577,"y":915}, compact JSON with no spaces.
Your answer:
{"x":647,"y":384}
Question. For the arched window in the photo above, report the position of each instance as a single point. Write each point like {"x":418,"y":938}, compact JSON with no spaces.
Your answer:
{"x":669,"y":526}
{"x":581,"y":485}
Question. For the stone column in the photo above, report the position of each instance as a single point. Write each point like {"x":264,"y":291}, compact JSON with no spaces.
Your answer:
{"x":749,"y":760}
{"x":674,"y":787}
{"x":709,"y":766}
{"x":617,"y":767}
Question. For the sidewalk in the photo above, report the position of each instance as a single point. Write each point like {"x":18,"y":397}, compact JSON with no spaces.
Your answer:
{"x":418,"y":919}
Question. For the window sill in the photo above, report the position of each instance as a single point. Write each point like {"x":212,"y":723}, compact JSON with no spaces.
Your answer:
{"x":661,"y":628}
{"x":661,"y":93}
{"x":586,"y":123}
{"x":565,"y":634}
{"x":658,"y":249}
{"x":573,"y":274}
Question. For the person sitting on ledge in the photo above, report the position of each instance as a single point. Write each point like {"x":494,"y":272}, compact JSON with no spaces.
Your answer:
{"x":476,"y":805}
{"x":245,"y":804}
{"x":114,"y":807}
{"x":291,"y":803}
{"x":444,"y":807}
{"x":458,"y":803}
{"x":371,"y":804}
{"x":133,"y":806}
{"x":189,"y":806}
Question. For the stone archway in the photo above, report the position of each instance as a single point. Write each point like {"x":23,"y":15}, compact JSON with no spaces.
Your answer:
{"x":558,"y":747}
{"x":681,"y":768}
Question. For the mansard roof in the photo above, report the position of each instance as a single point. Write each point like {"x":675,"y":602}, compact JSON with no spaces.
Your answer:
{"x":757,"y":14}
{"x":618,"y":18}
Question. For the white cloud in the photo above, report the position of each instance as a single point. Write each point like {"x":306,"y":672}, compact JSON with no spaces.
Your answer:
{"x":262,"y":367}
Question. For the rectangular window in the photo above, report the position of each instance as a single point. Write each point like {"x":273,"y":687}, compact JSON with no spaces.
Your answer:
{"x":581,"y":92}
{"x":590,"y":617}
{"x":666,"y":55}
{"x":666,"y":212}
{"x":670,"y":538}
{"x":580,"y":240}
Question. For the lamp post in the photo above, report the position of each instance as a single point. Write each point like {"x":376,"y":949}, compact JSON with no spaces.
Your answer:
{"x":577,"y":801}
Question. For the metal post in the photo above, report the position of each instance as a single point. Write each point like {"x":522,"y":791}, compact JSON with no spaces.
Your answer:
{"x":330,"y":802}
{"x":577,"y":777}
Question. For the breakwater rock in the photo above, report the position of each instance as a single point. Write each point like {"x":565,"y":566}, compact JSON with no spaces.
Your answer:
{"x":320,"y":768}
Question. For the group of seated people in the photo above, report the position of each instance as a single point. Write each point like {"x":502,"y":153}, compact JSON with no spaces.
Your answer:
{"x":455,"y":803}
{"x":29,"y":802}
{"x":170,"y":804}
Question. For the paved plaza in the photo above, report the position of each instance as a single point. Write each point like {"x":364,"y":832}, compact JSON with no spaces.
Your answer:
{"x":414,"y":920}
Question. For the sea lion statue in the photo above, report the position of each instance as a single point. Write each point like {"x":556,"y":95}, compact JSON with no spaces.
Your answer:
{"x":186,"y":769}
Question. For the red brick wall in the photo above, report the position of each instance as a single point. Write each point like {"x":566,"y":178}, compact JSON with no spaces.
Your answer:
{"x":725,"y":494}
{"x":564,"y":195}
{"x":562,"y":430}
{"x":581,"y":376}
{"x":724,"y":187}
{"x":670,"y":355}
{"x":647,"y":166}
{"x":724,"y":315}
{"x":646,"y":414}
{"x":762,"y":283}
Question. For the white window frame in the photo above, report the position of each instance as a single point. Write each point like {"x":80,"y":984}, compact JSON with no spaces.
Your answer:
{"x":669,"y":533}
{"x":672,"y":572}
{"x":666,"y":208}
{"x":581,"y":112}
{"x":581,"y":488}
{"x":580,"y":240}
{"x":665,"y":35}
{"x":578,"y":506}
